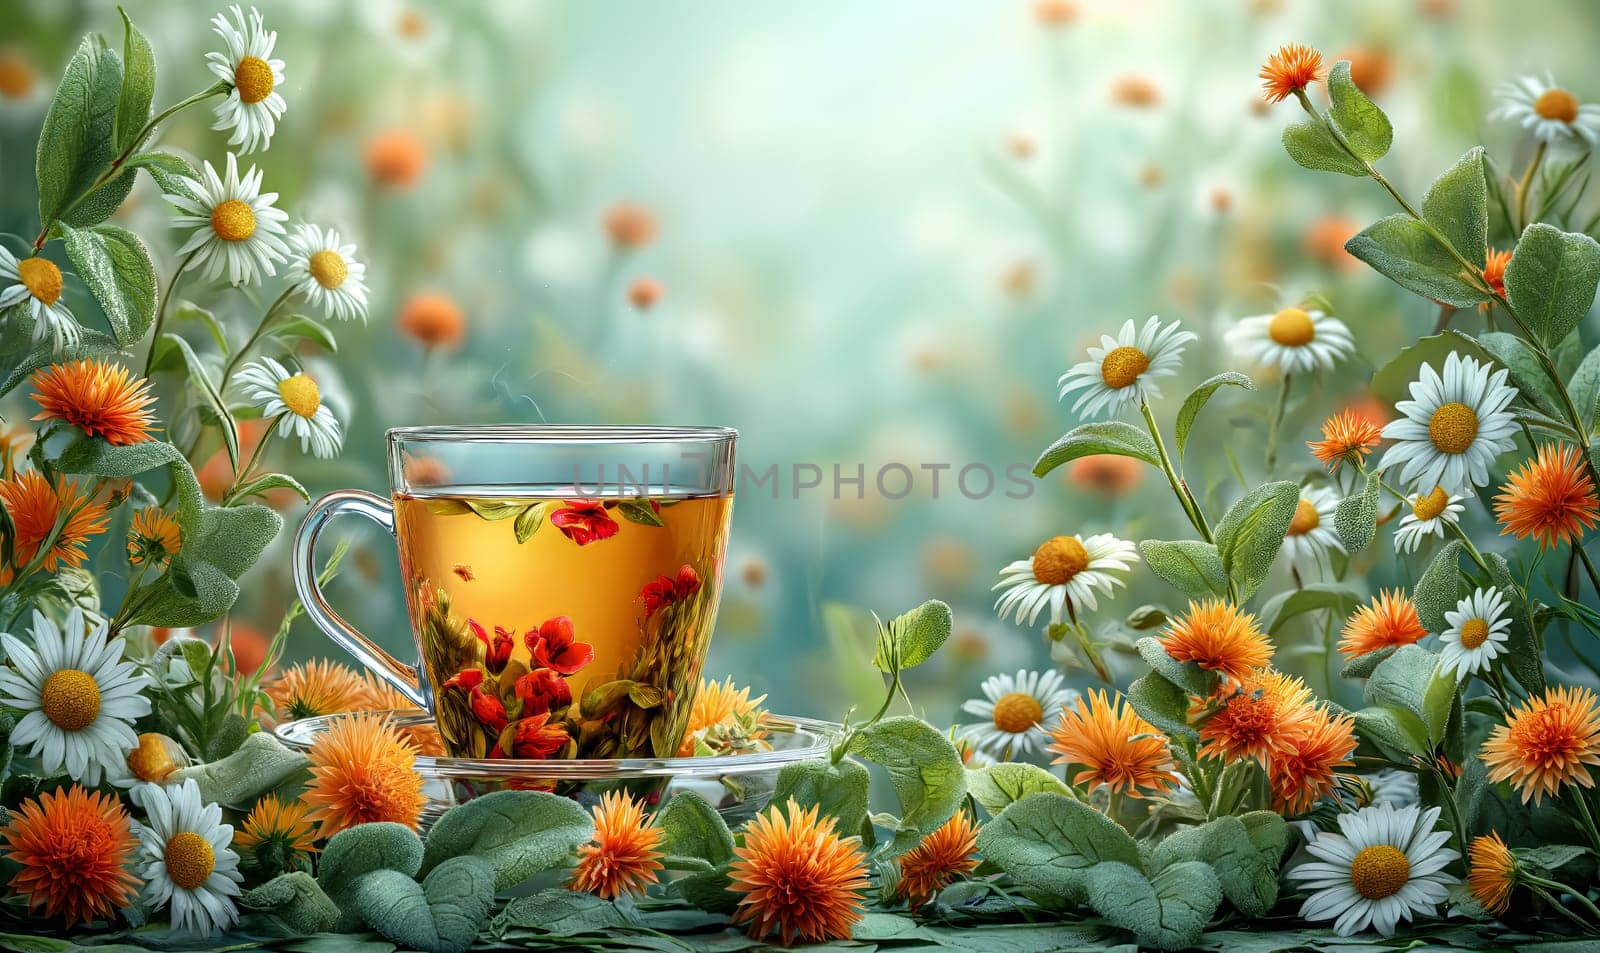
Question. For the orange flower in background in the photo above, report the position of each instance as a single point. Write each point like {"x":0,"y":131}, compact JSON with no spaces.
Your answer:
{"x":433,"y":319}
{"x":1258,"y":718}
{"x":718,"y":703}
{"x":940,"y":859}
{"x":798,"y":876}
{"x":1216,"y":636}
{"x":248,"y":644}
{"x":396,"y":158}
{"x":1135,"y":91}
{"x":643,"y":293}
{"x":17,"y":75}
{"x":1324,"y":241}
{"x":1106,"y":473}
{"x":1054,"y":13}
{"x":1492,"y":872}
{"x":1289,"y":70}
{"x":153,"y":537}
{"x":624,"y":857}
{"x":1113,"y":745}
{"x":35,"y":505}
{"x":1306,"y":767}
{"x":276,"y":823}
{"x":1346,"y":438}
{"x":379,"y":695}
{"x":1550,"y":498}
{"x":74,"y":849}
{"x":317,"y":687}
{"x":1370,"y":68}
{"x":1546,"y":743}
{"x":362,"y":771}
{"x":629,"y":225}
{"x":98,"y":397}
{"x":1390,"y":620}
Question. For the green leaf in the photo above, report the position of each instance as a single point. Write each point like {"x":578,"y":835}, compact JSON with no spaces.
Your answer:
{"x":1197,"y":399}
{"x":1047,"y":842}
{"x":1366,"y":129}
{"x":138,"y":84}
{"x":1584,"y":387}
{"x":1188,"y":565}
{"x":1314,"y":597}
{"x":694,"y":829}
{"x":295,"y":899}
{"x":1186,"y":675}
{"x":1355,"y":519}
{"x":212,"y":398}
{"x":91,"y":343}
{"x":998,"y":786}
{"x":1362,"y":665}
{"x":1457,"y":204}
{"x":261,"y":485}
{"x":1524,"y":656}
{"x":559,"y":912}
{"x":1410,"y":679}
{"x":1162,"y":704}
{"x":259,"y":765}
{"x":1392,"y":382}
{"x":531,"y":518}
{"x":189,"y":311}
{"x":94,"y":456}
{"x":1526,"y":371}
{"x":1111,"y":436}
{"x":520,"y":833}
{"x":1439,"y":588}
{"x":1251,"y":533}
{"x":918,"y":634}
{"x":1400,"y":248}
{"x":356,"y":851}
{"x":1398,"y":731}
{"x":924,"y":769}
{"x":838,"y":789}
{"x":1550,"y":857}
{"x":116,"y":267}
{"x":639,"y":511}
{"x":75,"y":142}
{"x":443,"y":914}
{"x":1168,"y":911}
{"x":1311,"y":145}
{"x":1247,"y":871}
{"x":173,"y":173}
{"x":298,"y":327}
{"x":1551,"y":280}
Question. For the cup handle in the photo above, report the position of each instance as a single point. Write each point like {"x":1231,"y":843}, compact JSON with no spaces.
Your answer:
{"x":360,"y":503}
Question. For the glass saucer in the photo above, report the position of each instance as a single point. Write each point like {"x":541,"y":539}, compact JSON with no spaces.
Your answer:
{"x":738,"y":785}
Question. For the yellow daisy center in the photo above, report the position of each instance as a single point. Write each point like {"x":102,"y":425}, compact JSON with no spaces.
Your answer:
{"x":1474,"y":632}
{"x":1556,"y":103}
{"x":253,"y":79}
{"x":1430,"y":506}
{"x":1305,"y":519}
{"x":70,"y":699}
{"x":1123,"y":366}
{"x":1058,"y":559}
{"x":300,"y":395}
{"x":329,"y":268}
{"x":41,"y":277}
{"x":1017,"y":712}
{"x":190,"y":859}
{"x":1379,"y":871}
{"x":1291,"y":327}
{"x":233,"y":221}
{"x":1453,"y":427}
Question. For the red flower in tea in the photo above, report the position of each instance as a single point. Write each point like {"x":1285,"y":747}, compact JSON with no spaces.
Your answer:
{"x":467,"y":679}
{"x":541,"y":690}
{"x":584,"y":521}
{"x":488,"y":709}
{"x":554,"y":645}
{"x":496,"y":651}
{"x":663,"y":591}
{"x":532,"y":737}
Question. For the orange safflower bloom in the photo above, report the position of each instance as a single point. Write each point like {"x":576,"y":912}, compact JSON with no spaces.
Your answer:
{"x":624,"y":857}
{"x":643,"y":293}
{"x":1290,"y":69}
{"x":1135,"y":91}
{"x":940,"y":859}
{"x":1492,"y":873}
{"x":249,"y":646}
{"x":1391,"y":620}
{"x":1114,"y":745}
{"x":1106,"y":473}
{"x":1494,"y":270}
{"x":1305,"y":768}
{"x":1346,"y":438}
{"x":35,"y":504}
{"x":1054,"y":13}
{"x":98,"y":397}
{"x":1215,"y":635}
{"x":362,"y":770}
{"x":396,"y":158}
{"x":1325,"y":237}
{"x":284,"y":826}
{"x":1257,"y":719}
{"x":718,"y":703}
{"x":1370,"y":68}
{"x":17,"y":75}
{"x":317,"y":687}
{"x":1545,"y":743}
{"x":433,"y":319}
{"x":1550,"y":498}
{"x":798,"y":876}
{"x":154,"y":537}
{"x":74,"y":849}
{"x":629,"y":225}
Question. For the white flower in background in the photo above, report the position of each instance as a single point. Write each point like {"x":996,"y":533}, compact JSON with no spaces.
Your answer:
{"x":294,"y":403}
{"x":1386,"y":865}
{"x":1063,"y":569}
{"x":1015,"y":710}
{"x":1454,"y":426}
{"x":237,"y":229}
{"x":325,"y":272}
{"x":187,"y":860}
{"x":1551,"y":113}
{"x":38,"y":284}
{"x":1122,"y":370}
{"x":77,"y":696}
{"x":253,"y":106}
{"x":1479,"y":628}
{"x":1394,"y":787}
{"x":1295,"y":340}
{"x":1430,"y":514}
{"x":1311,"y":535}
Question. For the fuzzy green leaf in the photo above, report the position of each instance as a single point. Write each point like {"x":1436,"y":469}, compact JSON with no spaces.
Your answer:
{"x":295,"y":899}
{"x":1523,"y":657}
{"x":1317,"y":596}
{"x":1311,"y":145}
{"x":1585,"y":387}
{"x":1110,"y":436}
{"x":1188,"y":565}
{"x":297,"y":327}
{"x":1551,"y":280}
{"x":559,"y":912}
{"x":1526,"y":371}
{"x":1197,"y":399}
{"x":173,"y":173}
{"x":918,"y":634}
{"x":1398,"y":731}
{"x":265,"y":483}
{"x":443,"y":914}
{"x":1251,"y":533}
{"x":1186,"y":675}
{"x":75,"y":142}
{"x":839,"y":790}
{"x":1355,"y":519}
{"x":1168,"y":911}
{"x":1362,"y":666}
{"x":1366,"y":129}
{"x":1400,"y":248}
{"x":696,"y":833}
{"x":260,"y":764}
{"x":357,"y":851}
{"x":1047,"y":842}
{"x":520,"y":833}
{"x":924,"y":769}
{"x":998,"y":786}
{"x":1392,"y":382}
{"x":1439,"y":588}
{"x":1162,"y":704}
{"x":211,"y":398}
{"x":138,"y":84}
{"x":1410,"y":679}
{"x":116,"y":267}
{"x":1457,"y":204}
{"x":1247,"y":873}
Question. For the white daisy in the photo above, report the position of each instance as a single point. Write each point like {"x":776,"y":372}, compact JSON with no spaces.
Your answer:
{"x":1453,"y":428}
{"x":253,"y":106}
{"x":325,"y":272}
{"x":1430,"y":515}
{"x":1015,"y":710}
{"x":187,"y":860}
{"x":77,"y":695}
{"x":1063,"y":570}
{"x":1386,"y":865}
{"x":294,"y":403}
{"x":237,"y":229}
{"x":1477,"y":635}
{"x":1551,"y":113}
{"x":38,"y":283}
{"x":1395,"y":787}
{"x":1296,"y":340}
{"x":1311,"y":534}
{"x":1122,"y":370}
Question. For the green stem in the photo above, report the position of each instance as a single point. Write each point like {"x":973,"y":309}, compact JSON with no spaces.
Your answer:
{"x":1450,"y":804}
{"x":161,"y":309}
{"x":1536,"y":885}
{"x":1526,"y":185}
{"x":1277,"y":423}
{"x":239,"y":355}
{"x":1191,"y":508}
{"x":1537,"y":881}
{"x":250,"y":464}
{"x":1588,"y":564}
{"x":1587,"y":817}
